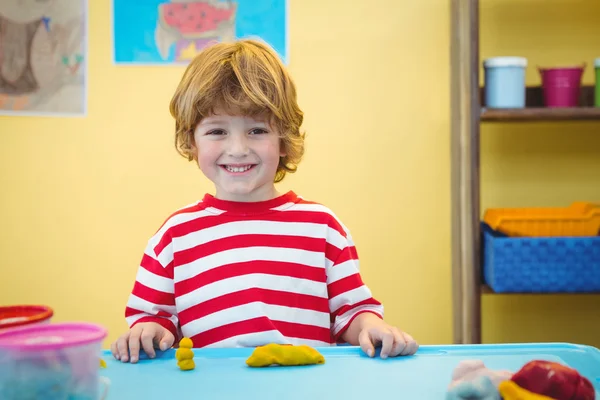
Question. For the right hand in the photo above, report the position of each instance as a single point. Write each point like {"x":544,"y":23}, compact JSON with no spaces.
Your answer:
{"x":148,"y":335}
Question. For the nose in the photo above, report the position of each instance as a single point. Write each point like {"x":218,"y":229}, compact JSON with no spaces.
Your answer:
{"x":238,"y":146}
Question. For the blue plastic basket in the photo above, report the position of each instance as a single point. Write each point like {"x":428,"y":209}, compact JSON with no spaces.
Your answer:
{"x":540,"y":264}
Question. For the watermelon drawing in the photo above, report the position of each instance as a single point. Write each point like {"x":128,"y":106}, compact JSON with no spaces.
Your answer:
{"x":191,"y":25}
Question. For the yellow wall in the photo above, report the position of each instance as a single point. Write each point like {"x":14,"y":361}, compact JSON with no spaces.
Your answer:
{"x":82,"y":196}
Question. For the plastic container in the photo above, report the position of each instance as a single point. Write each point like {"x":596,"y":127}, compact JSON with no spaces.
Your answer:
{"x":597,"y":88}
{"x":541,"y":264}
{"x":221,"y":374}
{"x":579,"y":219}
{"x":505,"y":82}
{"x":20,"y":315}
{"x":561,"y":86}
{"x":53,"y":361}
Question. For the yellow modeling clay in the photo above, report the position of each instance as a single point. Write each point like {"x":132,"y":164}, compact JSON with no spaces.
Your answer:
{"x":186,"y":343}
{"x":286,"y":355}
{"x":184,"y":354}
{"x":186,"y":365}
{"x":102,"y":363}
{"x":509,"y":390}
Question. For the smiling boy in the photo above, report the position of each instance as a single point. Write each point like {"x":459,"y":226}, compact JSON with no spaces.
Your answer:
{"x":249,"y":266}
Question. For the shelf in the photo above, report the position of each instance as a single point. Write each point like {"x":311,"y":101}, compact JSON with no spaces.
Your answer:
{"x":485,"y":289}
{"x":541,"y":114}
{"x":535,"y":111}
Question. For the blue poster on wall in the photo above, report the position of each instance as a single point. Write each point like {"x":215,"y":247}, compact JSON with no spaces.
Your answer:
{"x":174,"y":31}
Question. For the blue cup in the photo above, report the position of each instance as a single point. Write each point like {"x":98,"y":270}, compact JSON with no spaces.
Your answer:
{"x":505,"y":82}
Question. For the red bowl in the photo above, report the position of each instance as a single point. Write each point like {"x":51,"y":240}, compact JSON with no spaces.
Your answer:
{"x":20,"y":315}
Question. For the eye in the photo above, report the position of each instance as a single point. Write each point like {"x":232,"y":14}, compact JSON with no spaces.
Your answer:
{"x":258,"y":131}
{"x":216,"y":132}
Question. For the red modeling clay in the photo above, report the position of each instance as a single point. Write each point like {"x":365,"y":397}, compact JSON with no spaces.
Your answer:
{"x":554,"y":380}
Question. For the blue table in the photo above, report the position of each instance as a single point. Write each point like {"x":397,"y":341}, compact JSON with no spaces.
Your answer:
{"x":347,"y":374}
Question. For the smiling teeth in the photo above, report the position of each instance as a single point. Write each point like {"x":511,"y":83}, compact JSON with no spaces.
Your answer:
{"x":238,"y":169}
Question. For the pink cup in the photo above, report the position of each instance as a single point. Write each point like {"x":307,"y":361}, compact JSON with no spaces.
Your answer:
{"x":561,"y":85}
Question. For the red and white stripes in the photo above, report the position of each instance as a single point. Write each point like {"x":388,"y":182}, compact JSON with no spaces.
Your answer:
{"x":245,"y":274}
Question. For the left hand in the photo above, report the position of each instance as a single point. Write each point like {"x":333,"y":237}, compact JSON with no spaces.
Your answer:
{"x":376,"y":332}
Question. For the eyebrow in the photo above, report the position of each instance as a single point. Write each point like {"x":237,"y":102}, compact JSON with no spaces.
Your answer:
{"x":209,"y":121}
{"x":219,"y":121}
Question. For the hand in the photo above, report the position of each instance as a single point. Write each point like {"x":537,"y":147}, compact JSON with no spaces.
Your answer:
{"x":147,"y":334}
{"x":375,"y":332}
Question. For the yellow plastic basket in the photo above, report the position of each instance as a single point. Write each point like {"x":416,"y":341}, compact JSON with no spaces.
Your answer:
{"x":579,"y":219}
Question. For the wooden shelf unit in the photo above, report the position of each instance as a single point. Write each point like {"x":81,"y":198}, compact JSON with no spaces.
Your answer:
{"x":468,"y":111}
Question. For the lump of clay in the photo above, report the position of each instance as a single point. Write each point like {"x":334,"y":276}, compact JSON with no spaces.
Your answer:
{"x":481,"y":388}
{"x":185,"y":356}
{"x":286,"y":355}
{"x":471,"y":370}
{"x":554,"y":380}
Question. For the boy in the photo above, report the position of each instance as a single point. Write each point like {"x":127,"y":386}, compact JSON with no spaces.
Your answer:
{"x":249,"y":266}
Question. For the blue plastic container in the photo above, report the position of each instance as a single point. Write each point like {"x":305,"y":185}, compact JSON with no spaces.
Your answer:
{"x":540,"y":264}
{"x":505,"y":82}
{"x":222,"y":373}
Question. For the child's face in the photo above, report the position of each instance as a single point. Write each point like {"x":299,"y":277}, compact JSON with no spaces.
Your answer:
{"x":239,"y":155}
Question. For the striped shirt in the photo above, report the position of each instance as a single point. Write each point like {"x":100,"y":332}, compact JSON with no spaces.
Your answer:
{"x":230,"y":274}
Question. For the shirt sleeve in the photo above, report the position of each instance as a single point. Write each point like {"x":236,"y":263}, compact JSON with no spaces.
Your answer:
{"x":348,"y":295}
{"x":152,"y":298}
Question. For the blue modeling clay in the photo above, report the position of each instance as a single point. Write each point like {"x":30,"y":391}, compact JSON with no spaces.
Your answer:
{"x":481,"y":388}
{"x":144,"y":356}
{"x":36,"y":379}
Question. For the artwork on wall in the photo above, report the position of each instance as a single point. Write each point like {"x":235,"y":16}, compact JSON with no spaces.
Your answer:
{"x":174,"y":31}
{"x":43,"y":57}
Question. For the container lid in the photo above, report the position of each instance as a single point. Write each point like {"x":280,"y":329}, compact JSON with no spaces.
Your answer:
{"x":51,"y":336}
{"x":505,"y":62}
{"x":11,"y":316}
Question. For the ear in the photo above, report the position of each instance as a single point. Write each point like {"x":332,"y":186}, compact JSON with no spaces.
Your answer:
{"x":193,"y":152}
{"x":282,"y":152}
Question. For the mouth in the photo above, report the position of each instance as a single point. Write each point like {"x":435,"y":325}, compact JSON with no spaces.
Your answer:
{"x":237,"y":169}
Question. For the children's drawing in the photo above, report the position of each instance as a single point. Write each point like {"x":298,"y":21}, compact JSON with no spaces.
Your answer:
{"x":190,"y":26}
{"x":42,"y":57}
{"x":173,"y":32}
